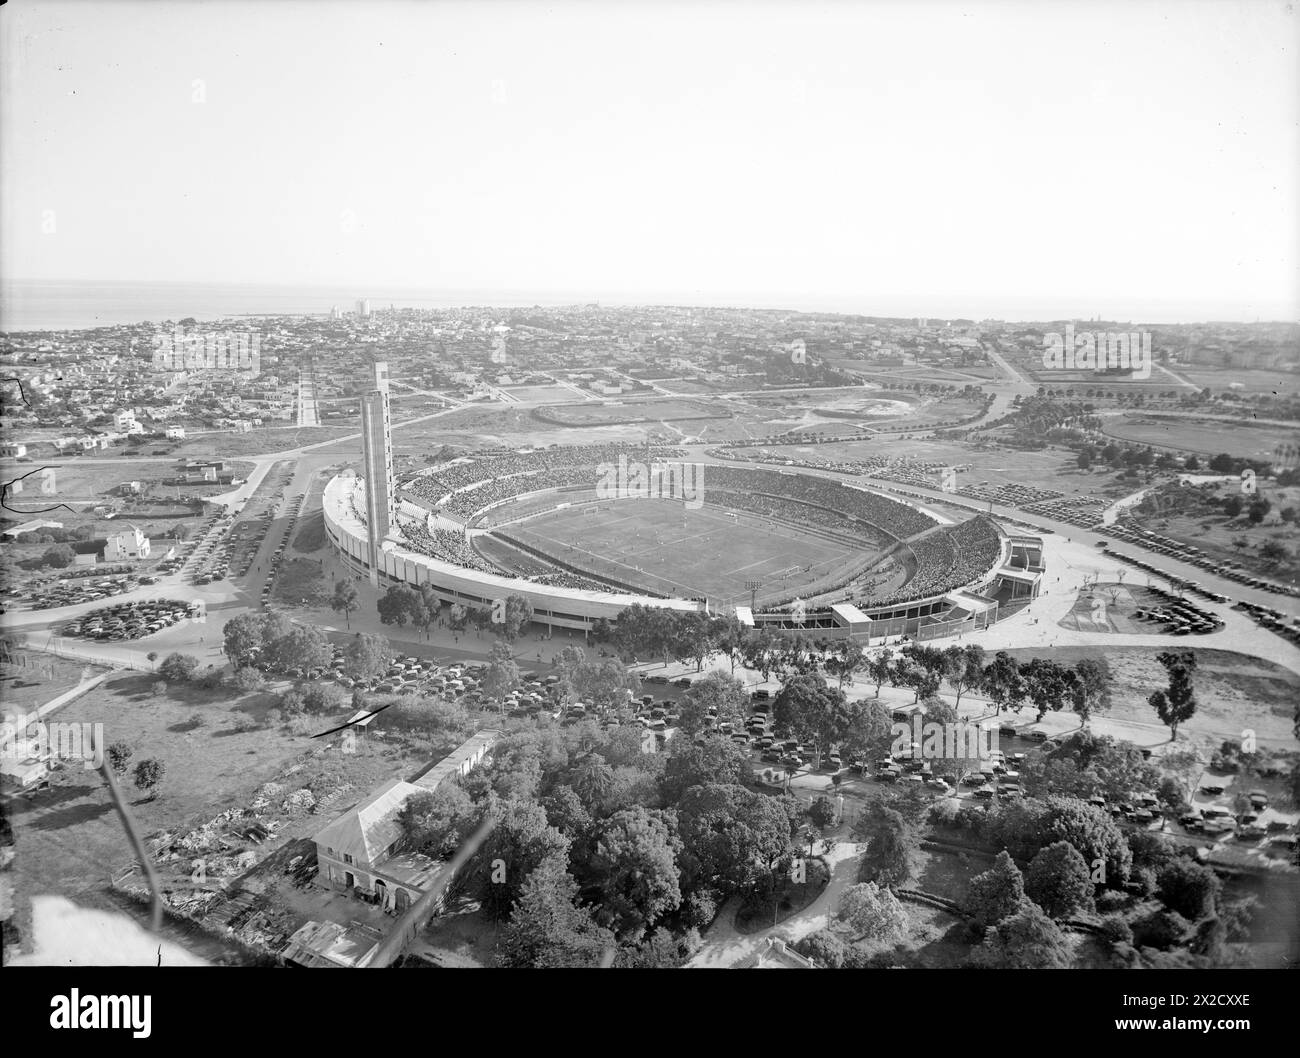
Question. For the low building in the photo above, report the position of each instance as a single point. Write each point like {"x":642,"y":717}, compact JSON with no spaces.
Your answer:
{"x":360,"y":851}
{"x":327,"y":944}
{"x":126,"y":544}
{"x":174,"y":433}
{"x":13,"y":450}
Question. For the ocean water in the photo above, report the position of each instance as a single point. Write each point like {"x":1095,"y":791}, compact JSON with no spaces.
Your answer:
{"x":30,"y":305}
{"x":37,"y":304}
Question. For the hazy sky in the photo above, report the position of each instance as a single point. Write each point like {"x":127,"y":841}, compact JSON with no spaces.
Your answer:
{"x":1135,"y":159}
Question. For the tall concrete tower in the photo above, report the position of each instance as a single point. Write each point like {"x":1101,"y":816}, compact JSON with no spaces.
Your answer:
{"x":377,"y":453}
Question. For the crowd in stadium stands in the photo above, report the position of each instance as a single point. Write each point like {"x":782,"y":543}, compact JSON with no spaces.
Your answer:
{"x":896,"y":519}
{"x":456,"y":476}
{"x":445,"y":545}
{"x":465,"y":504}
{"x":570,"y":580}
{"x":949,"y":558}
{"x":781,"y":509}
{"x":1085,"y":512}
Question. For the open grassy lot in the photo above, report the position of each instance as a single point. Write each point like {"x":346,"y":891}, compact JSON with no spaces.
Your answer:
{"x":1235,"y":691}
{"x":1282,"y":383}
{"x":610,"y":412}
{"x":219,"y":749}
{"x":68,"y":838}
{"x":667,"y":548}
{"x":32,"y":679}
{"x":1208,"y":436}
{"x":229,"y":445}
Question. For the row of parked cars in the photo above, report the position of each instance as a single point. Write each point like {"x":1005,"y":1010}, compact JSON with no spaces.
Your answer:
{"x":130,"y":620}
{"x":1192,"y":555}
{"x":1273,"y":620}
{"x":1179,"y":617}
{"x":278,"y":556}
{"x":70,"y":593}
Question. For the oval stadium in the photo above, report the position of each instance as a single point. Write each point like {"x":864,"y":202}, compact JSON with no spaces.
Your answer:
{"x":584,"y":532}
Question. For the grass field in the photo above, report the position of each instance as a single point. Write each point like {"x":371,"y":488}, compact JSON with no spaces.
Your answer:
{"x":594,"y":414}
{"x":1208,"y":436}
{"x":666,"y":548}
{"x":1234,"y":691}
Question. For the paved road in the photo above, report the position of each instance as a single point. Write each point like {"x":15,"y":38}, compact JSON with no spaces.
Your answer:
{"x":724,"y":946}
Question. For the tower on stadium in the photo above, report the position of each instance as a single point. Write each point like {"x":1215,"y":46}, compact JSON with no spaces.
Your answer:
{"x":377,"y":455}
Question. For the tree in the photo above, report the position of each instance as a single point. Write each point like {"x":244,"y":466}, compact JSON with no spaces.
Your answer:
{"x":1047,"y":684}
{"x":438,"y":822}
{"x":870,"y":730}
{"x":964,"y":668}
{"x":1192,"y":889}
{"x":59,"y":556}
{"x":148,"y":774}
{"x":909,"y":672}
{"x":1092,"y":831}
{"x":847,"y":659}
{"x":566,"y":812}
{"x":1028,"y":940}
{"x":305,"y":647}
{"x":425,"y":608}
{"x":1002,"y":682}
{"x":367,"y":656}
{"x":996,"y":894}
{"x":592,"y":779}
{"x":501,"y":678}
{"x":519,"y":843}
{"x":718,"y":691}
{"x":517,"y":615}
{"x":177,"y":668}
{"x":634,"y":867}
{"x":548,"y":928}
{"x":811,"y":711}
{"x":1058,"y":881}
{"x":873,"y":913}
{"x":1090,"y":689}
{"x":731,"y":837}
{"x":243,"y":639}
{"x":823,"y":948}
{"x":879,"y":668}
{"x":119,"y":756}
{"x":345,"y":599}
{"x":890,"y":856}
{"x":1178,"y":703}
{"x":822,"y":812}
{"x":247,"y":680}
{"x":718,"y":761}
{"x":395,"y":605}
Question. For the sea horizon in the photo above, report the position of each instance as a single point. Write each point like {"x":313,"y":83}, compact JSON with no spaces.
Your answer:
{"x":28,"y":305}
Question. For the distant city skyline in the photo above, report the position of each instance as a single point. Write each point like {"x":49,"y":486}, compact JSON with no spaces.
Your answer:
{"x":1135,"y":162}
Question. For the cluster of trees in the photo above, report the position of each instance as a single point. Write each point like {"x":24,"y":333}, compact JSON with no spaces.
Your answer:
{"x":509,"y":617}
{"x":271,"y":642}
{"x":602,"y":852}
{"x":147,"y":774}
{"x":1068,"y":855}
{"x":1048,"y":685}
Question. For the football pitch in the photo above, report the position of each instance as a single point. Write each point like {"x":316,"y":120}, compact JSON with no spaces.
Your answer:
{"x":661,"y":546}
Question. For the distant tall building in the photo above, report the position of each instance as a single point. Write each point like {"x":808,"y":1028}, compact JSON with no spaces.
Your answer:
{"x":377,"y":455}
{"x":363,"y":308}
{"x":335,"y":313}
